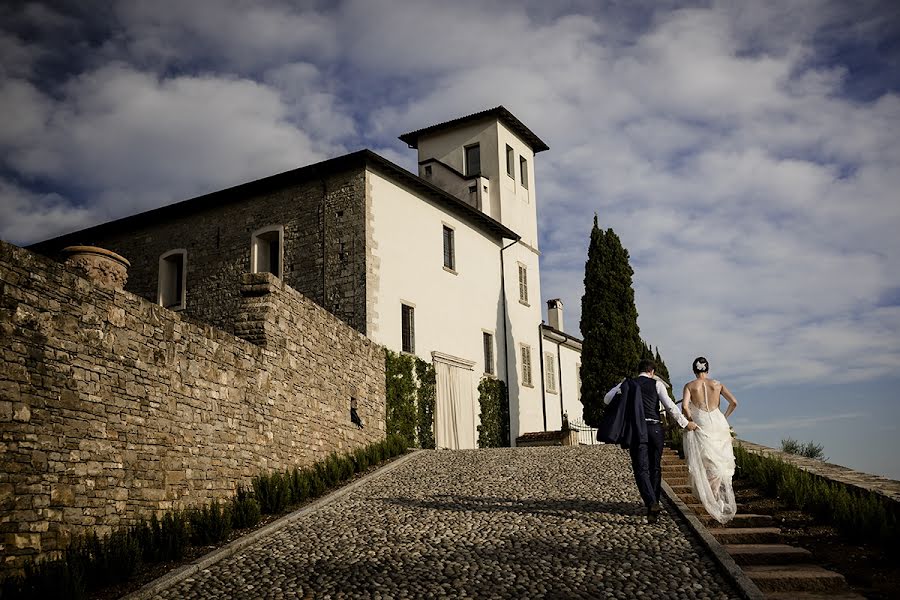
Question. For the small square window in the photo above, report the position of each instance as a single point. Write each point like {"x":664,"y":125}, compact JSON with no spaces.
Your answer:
{"x":427,"y":170}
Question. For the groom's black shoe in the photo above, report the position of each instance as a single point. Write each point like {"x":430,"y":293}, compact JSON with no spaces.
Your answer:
{"x":653,"y":512}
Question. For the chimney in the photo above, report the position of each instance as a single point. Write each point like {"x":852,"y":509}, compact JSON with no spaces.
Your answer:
{"x":555,"y":313}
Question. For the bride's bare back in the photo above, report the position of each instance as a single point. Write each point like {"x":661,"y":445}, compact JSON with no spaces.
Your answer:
{"x":706,"y":394}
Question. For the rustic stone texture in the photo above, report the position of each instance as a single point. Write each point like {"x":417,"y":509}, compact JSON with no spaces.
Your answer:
{"x":112,"y":407}
{"x":101,"y":266}
{"x":508,"y":523}
{"x":324,"y":246}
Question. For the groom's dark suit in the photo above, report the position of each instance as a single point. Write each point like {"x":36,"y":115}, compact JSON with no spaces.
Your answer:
{"x":632,"y":420}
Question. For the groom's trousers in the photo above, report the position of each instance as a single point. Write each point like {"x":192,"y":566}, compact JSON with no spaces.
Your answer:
{"x":645,"y":462}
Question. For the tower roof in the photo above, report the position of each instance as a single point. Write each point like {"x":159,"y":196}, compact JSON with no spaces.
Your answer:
{"x":508,"y":119}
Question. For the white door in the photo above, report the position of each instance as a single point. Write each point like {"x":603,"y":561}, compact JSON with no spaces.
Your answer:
{"x":454,"y":413}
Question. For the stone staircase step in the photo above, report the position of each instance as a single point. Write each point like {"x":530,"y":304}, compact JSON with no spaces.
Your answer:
{"x":814,"y":596}
{"x":767,"y":554}
{"x":676,"y":480}
{"x":799,"y":578}
{"x":740,"y":520}
{"x":746,"y":535}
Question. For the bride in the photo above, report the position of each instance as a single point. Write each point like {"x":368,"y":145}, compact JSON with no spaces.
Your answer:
{"x":708,"y":451}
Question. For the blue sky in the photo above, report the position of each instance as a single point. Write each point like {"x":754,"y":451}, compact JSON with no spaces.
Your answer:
{"x":745,"y":152}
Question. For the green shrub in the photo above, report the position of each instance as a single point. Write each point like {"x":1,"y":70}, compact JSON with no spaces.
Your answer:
{"x":209,"y":524}
{"x":245,"y":511}
{"x":361,"y":459}
{"x":858,"y":515}
{"x":400,"y":395}
{"x":47,"y":579}
{"x":491,"y":398}
{"x":272,"y":492}
{"x":809,"y":449}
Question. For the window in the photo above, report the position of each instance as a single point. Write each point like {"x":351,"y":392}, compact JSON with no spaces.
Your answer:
{"x":523,"y":284}
{"x":510,"y":162}
{"x":449,"y":249}
{"x":266,"y":250}
{"x":526,"y":365}
{"x":523,"y":171}
{"x":408,"y":328}
{"x":428,"y":171}
{"x":171,"y":284}
{"x":473,"y":160}
{"x":550,"y":372}
{"x":488,"y":342}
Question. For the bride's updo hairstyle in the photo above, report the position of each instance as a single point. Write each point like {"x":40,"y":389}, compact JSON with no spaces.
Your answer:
{"x":701,"y":365}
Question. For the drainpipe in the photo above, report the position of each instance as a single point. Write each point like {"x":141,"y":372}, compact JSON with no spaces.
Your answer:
{"x":543,"y":383}
{"x":506,"y":334}
{"x":559,"y":380}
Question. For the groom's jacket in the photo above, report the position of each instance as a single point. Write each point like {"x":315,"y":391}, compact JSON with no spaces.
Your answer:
{"x":623,"y":420}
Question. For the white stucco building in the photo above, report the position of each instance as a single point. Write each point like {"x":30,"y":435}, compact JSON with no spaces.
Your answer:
{"x":443,"y":263}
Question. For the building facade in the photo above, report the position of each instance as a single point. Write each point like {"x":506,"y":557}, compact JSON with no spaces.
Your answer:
{"x":443,"y":264}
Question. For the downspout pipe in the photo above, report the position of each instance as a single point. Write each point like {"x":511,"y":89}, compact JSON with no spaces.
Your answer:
{"x":543,"y":383}
{"x":559,"y":380}
{"x":506,"y":333}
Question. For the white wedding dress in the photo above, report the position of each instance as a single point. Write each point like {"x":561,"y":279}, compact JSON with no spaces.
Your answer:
{"x":710,"y":460}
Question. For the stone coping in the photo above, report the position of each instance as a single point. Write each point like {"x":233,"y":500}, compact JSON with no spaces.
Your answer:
{"x":888,"y":488}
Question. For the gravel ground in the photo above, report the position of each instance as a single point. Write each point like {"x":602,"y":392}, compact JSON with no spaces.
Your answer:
{"x":562,"y":522}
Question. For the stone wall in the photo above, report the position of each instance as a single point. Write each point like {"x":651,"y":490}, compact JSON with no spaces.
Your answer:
{"x":112,"y":407}
{"x":855,"y":480}
{"x":324,"y":221}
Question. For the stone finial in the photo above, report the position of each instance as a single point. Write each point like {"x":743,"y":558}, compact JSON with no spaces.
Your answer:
{"x":103,"y":267}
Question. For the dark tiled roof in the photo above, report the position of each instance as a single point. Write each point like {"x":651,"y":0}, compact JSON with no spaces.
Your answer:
{"x":519,"y":128}
{"x":245,"y":191}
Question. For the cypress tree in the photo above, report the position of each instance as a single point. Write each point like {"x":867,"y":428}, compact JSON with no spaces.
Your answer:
{"x":663,"y":371}
{"x":612,"y":344}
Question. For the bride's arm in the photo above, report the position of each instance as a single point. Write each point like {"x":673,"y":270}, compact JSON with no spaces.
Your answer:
{"x":732,"y":401}
{"x":686,"y":402}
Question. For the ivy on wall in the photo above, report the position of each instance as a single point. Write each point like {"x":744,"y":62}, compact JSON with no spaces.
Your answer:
{"x":492,"y":396}
{"x":426,"y":394}
{"x":410,"y":389}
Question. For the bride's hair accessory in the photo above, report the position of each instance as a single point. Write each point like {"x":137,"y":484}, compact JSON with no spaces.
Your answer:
{"x":701,"y":365}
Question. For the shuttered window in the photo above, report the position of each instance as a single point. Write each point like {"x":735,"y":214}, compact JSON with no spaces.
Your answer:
{"x":408,"y":328}
{"x":449,"y":249}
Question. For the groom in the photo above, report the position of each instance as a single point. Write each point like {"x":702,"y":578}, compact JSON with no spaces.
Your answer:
{"x":639,"y":408}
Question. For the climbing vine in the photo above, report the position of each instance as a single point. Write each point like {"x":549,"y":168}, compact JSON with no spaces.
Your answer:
{"x":410,"y":387}
{"x":400,"y":389}
{"x":492,"y":433}
{"x":425,"y":394}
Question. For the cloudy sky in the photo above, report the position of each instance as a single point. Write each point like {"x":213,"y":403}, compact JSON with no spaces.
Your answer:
{"x":746,"y":153}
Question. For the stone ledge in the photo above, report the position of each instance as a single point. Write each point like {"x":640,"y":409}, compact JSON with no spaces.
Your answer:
{"x":888,"y":488}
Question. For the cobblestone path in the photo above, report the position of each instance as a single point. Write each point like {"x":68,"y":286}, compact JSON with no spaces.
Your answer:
{"x":509,"y":523}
